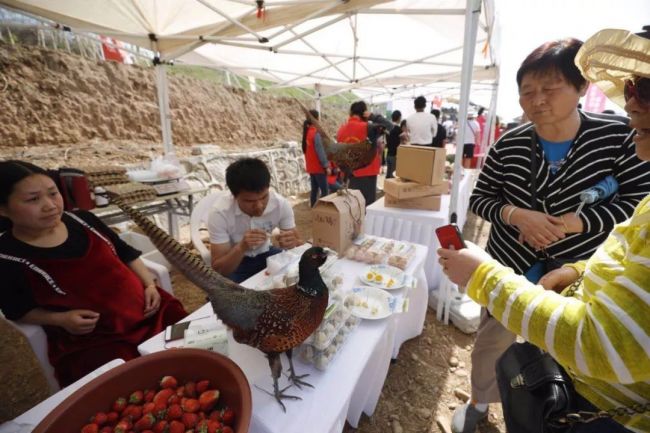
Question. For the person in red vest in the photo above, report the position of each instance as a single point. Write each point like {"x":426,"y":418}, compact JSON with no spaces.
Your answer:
{"x":316,"y":163}
{"x":357,"y":129}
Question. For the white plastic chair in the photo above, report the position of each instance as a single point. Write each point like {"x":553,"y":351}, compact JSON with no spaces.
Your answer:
{"x":37,"y":339}
{"x":152,"y":259}
{"x":198,"y":219}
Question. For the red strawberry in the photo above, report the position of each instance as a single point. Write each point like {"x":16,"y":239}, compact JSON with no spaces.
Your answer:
{"x":202,"y":426}
{"x":176,"y":427}
{"x":132,"y":412}
{"x":190,"y":390}
{"x":90,"y":428}
{"x":160,"y":411}
{"x":215,"y":415}
{"x":119,"y":405}
{"x":208,"y":399}
{"x":161,"y":427}
{"x":227,"y":429}
{"x":227,"y":416}
{"x":137,"y":397}
{"x":202,"y":386}
{"x":148,"y":408}
{"x":190,"y":420}
{"x":190,"y":405}
{"x":174,"y":399}
{"x":148,"y":395}
{"x":168,"y":382}
{"x":145,"y":423}
{"x":174,"y":411}
{"x":106,"y":429}
{"x":163,"y":396}
{"x":122,"y":427}
{"x":100,"y":418}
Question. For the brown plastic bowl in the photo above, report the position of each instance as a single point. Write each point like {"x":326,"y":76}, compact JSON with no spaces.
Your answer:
{"x":141,"y":373}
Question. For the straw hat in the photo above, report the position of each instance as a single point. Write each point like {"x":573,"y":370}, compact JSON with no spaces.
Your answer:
{"x":610,"y":57}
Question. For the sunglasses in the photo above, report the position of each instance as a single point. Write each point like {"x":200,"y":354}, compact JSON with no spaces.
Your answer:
{"x":639,"y":89}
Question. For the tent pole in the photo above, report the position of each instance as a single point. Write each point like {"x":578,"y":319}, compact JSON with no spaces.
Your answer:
{"x":472,"y":14}
{"x":163,"y":107}
{"x":318,"y":101}
{"x":491,"y":123}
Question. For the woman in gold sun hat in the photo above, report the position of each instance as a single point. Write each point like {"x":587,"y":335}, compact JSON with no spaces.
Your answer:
{"x":600,"y":335}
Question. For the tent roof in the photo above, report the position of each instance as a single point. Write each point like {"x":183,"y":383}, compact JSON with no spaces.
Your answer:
{"x":338,"y":44}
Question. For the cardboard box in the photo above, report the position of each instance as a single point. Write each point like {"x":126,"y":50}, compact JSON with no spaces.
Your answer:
{"x":421,"y":164}
{"x":430,"y":202}
{"x":338,"y":219}
{"x":403,"y":189}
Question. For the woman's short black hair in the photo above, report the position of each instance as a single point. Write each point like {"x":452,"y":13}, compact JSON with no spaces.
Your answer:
{"x":247,"y":174}
{"x":554,"y":57}
{"x":358,"y":108}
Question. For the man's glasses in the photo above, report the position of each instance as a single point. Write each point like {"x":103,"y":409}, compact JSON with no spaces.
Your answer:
{"x":639,"y":89}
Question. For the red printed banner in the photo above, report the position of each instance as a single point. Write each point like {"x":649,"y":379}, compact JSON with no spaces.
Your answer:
{"x":110,"y":49}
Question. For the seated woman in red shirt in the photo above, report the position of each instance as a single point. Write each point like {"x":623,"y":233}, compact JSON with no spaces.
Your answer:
{"x":70,"y":273}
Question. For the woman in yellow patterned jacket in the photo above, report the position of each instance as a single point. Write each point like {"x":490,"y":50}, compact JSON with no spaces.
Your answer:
{"x":601,"y":335}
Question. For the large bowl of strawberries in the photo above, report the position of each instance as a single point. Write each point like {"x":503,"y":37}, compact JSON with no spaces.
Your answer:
{"x":170,"y":391}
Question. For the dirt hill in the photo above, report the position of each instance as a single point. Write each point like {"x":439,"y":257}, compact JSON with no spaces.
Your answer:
{"x":51,"y":98}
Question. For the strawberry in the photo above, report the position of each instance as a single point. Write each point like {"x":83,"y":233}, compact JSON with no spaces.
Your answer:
{"x":132,"y":412}
{"x":163,"y":396}
{"x":227,"y":429}
{"x":148,"y":395}
{"x":112,"y":417}
{"x":122,"y":427}
{"x":148,"y":408}
{"x":100,"y":418}
{"x":160,"y":411}
{"x":145,"y":423}
{"x":174,"y":411}
{"x":90,"y":428}
{"x":202,"y":426}
{"x":174,"y":399}
{"x":208,"y":399}
{"x":161,"y":427}
{"x":168,"y":382}
{"x":136,"y":397}
{"x":215,"y":415}
{"x":190,"y":390}
{"x":227,"y":416}
{"x":202,"y":386}
{"x":176,"y":427}
{"x":190,"y":420}
{"x":106,"y":429}
{"x":119,"y":405}
{"x":190,"y":405}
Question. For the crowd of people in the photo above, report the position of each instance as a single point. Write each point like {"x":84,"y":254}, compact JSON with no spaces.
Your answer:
{"x":541,"y":239}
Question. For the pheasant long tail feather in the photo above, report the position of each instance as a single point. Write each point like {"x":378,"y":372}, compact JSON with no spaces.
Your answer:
{"x":187,"y":263}
{"x":327,"y":141}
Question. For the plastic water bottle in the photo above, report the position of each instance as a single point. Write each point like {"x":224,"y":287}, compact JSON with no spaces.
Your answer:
{"x":600,"y":191}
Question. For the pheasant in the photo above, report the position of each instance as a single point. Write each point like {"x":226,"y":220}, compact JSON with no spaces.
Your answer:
{"x":273,"y":321}
{"x":347,"y":156}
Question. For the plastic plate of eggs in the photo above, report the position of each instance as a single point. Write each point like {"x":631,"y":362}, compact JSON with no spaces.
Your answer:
{"x":371,"y":303}
{"x":383,"y":276}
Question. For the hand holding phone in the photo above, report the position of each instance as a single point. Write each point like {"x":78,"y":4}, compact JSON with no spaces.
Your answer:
{"x":450,"y":236}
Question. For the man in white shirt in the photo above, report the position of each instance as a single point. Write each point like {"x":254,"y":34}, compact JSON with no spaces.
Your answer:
{"x":242,"y":219}
{"x":422,"y":127}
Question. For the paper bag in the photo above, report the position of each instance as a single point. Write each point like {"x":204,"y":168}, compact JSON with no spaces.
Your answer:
{"x":338,"y":220}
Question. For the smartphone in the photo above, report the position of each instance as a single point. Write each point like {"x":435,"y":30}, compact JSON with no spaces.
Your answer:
{"x":449,"y":236}
{"x":176,"y":331}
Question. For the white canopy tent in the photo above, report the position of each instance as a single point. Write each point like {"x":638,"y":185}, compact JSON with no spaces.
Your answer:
{"x":368,"y":46}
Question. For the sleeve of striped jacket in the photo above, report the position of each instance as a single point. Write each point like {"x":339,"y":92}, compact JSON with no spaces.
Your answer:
{"x":486,"y":200}
{"x":633,"y":176}
{"x":594,"y":337}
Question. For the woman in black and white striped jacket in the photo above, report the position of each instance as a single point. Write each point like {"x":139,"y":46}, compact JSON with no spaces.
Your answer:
{"x":574,"y":151}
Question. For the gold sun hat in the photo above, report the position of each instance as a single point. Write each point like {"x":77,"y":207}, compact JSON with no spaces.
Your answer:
{"x":612,"y":56}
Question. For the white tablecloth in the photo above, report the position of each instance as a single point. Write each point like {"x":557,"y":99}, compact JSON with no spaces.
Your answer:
{"x":352,"y":382}
{"x":27,"y":421}
{"x":419,"y":226}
